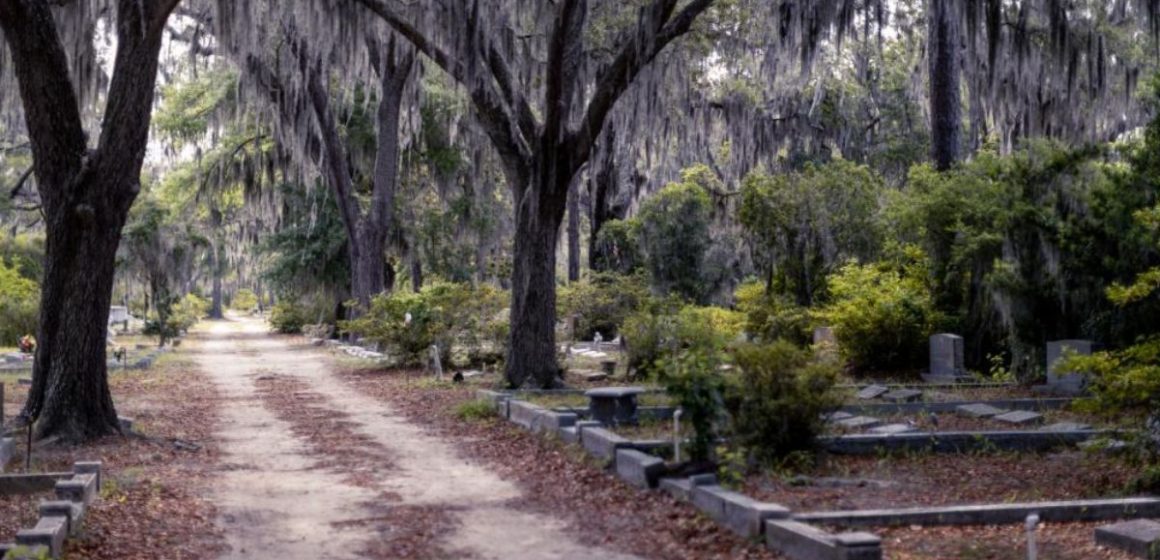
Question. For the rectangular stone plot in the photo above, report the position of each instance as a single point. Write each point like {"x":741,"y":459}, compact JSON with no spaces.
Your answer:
{"x":872,"y":392}
{"x":1140,"y":537}
{"x":1020,"y":418}
{"x":891,"y":429}
{"x":859,"y":422}
{"x":979,"y":410}
{"x":903,"y":395}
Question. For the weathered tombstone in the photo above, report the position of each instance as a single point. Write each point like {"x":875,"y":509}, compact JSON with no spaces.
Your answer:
{"x":825,"y":335}
{"x":872,"y":392}
{"x":1067,"y":383}
{"x":436,"y":363}
{"x":946,"y":358}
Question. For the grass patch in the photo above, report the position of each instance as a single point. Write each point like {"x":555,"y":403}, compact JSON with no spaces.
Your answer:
{"x":477,"y":409}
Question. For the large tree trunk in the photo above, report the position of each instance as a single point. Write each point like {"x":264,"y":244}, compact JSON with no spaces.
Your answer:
{"x":532,"y":353}
{"x":945,"y":109}
{"x":70,"y":394}
{"x":86,"y":197}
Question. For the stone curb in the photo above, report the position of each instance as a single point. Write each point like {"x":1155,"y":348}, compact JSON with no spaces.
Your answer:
{"x":880,"y":409}
{"x":799,"y":540}
{"x":58,"y":518}
{"x":991,"y":514}
{"x":957,"y":442}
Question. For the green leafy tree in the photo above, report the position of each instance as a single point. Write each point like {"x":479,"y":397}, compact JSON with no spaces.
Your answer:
{"x":673,"y":229}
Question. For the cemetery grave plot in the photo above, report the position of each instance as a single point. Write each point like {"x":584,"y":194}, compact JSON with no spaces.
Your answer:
{"x":931,"y":479}
{"x":152,"y":503}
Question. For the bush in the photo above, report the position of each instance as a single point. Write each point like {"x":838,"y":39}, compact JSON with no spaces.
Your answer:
{"x":770,"y":317}
{"x":674,"y":233}
{"x":442,"y":313}
{"x":777,"y":401}
{"x":287,"y":317}
{"x":881,"y":317}
{"x":19,"y":305}
{"x":691,"y":377}
{"x":601,"y":303}
{"x":664,"y":328}
{"x":616,"y":247}
{"x":244,"y":300}
{"x":184,"y":314}
{"x":1124,"y":382}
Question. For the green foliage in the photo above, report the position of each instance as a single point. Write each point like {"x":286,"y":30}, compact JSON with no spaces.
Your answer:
{"x":442,"y":313}
{"x":1124,"y":381}
{"x":1148,"y":481}
{"x":617,"y":248}
{"x":771,"y":317}
{"x":600,"y":302}
{"x":690,"y":376}
{"x":673,"y":228}
{"x":288,"y":317}
{"x":882,"y":316}
{"x":477,"y":409}
{"x":186,"y":312}
{"x":664,"y":328}
{"x":244,"y":300}
{"x":19,"y":305}
{"x":806,"y":224}
{"x":777,"y":402}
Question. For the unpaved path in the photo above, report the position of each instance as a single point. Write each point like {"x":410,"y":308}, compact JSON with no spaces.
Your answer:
{"x":276,"y":502}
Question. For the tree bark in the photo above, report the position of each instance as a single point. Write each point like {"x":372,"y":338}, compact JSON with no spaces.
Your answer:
{"x":86,"y":198}
{"x":945,"y":109}
{"x":574,"y":232}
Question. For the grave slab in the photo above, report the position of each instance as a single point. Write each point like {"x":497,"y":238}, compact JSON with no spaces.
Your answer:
{"x":1140,"y":537}
{"x":873,"y":391}
{"x":1066,"y":427}
{"x":902,"y":395}
{"x":892,"y":429}
{"x":836,"y":416}
{"x":1020,"y":417}
{"x":979,"y":410}
{"x":859,"y":422}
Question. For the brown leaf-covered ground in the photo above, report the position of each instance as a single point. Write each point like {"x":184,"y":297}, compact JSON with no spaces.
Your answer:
{"x":559,"y":480}
{"x":150,"y":505}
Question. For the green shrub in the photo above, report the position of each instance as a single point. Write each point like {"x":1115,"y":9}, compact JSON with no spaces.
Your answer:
{"x":478,"y":409}
{"x":771,"y":317}
{"x":664,"y":327}
{"x":244,"y":300}
{"x":190,"y":309}
{"x":287,"y":317}
{"x":442,"y":313}
{"x":1124,"y":382}
{"x":19,"y":305}
{"x":777,"y":401}
{"x":617,"y":249}
{"x":881,"y":317}
{"x":674,"y":234}
{"x":691,"y":377}
{"x":601,"y":303}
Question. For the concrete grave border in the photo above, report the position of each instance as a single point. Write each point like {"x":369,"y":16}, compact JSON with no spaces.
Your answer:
{"x":59,"y":518}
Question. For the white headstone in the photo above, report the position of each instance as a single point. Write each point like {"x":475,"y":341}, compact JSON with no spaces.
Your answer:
{"x":825,"y":334}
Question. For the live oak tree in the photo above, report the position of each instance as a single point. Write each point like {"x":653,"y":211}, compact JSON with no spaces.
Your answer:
{"x":86,"y":193}
{"x":543,"y":101}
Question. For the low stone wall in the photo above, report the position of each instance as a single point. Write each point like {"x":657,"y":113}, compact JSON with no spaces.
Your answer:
{"x":957,"y":442}
{"x":991,"y":514}
{"x":59,"y":518}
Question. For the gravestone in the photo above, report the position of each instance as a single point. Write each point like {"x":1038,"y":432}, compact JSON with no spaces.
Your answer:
{"x":946,"y":359}
{"x":979,"y":410}
{"x":902,"y":395}
{"x":1066,"y":427}
{"x":892,"y":429}
{"x":825,"y":335}
{"x":859,"y":422}
{"x":1067,"y":383}
{"x":1020,"y":417}
{"x":872,"y":391}
{"x":1139,"y":537}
